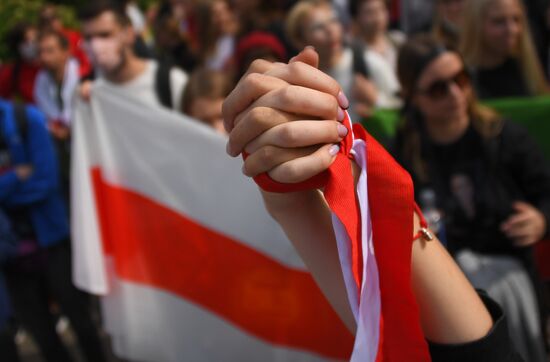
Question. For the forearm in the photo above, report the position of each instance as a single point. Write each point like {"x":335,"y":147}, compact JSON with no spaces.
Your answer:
{"x":306,"y":219}
{"x":450,"y":309}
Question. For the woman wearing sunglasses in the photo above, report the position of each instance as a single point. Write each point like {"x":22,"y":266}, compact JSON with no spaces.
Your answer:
{"x":490,"y":180}
{"x":288,"y":119}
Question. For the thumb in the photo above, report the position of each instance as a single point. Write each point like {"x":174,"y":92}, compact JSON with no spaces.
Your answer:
{"x":521,"y":206}
{"x":308,"y":55}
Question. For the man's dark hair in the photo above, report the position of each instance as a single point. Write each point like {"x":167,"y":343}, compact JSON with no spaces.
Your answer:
{"x":61,"y":39}
{"x":94,"y":9}
{"x":355,"y":4}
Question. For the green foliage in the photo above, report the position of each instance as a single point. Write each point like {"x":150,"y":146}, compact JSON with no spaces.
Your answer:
{"x":14,"y":11}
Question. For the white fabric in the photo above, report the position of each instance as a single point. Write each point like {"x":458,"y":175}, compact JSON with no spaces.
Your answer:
{"x":187,"y":332}
{"x":179,"y":163}
{"x":383,"y":74}
{"x":142,"y":88}
{"x":46,"y":89}
{"x":365,"y":306}
{"x":225,"y":47}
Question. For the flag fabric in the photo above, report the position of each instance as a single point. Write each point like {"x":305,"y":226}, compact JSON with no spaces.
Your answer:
{"x":177,"y":242}
{"x":373,"y":226}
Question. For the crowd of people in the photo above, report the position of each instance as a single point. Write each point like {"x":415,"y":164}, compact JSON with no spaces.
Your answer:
{"x":431,"y":60}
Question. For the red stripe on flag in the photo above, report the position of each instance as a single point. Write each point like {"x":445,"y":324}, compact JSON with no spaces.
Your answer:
{"x":159,"y":247}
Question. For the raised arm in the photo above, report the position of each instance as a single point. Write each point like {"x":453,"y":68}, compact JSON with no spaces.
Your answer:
{"x":287,"y":118}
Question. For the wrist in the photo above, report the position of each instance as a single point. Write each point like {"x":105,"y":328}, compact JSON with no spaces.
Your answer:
{"x":283,"y":204}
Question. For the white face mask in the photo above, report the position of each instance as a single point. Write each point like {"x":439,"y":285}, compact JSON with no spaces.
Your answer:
{"x":28,"y":51}
{"x":105,"y":53}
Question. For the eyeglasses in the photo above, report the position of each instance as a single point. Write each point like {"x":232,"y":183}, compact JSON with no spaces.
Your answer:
{"x":441,"y":88}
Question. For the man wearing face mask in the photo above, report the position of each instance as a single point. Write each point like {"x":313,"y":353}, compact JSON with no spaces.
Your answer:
{"x":17,"y":78}
{"x":109,"y":39}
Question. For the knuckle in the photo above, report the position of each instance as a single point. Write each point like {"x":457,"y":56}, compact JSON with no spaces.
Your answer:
{"x":287,"y":135}
{"x":288,"y":94}
{"x":295,"y":69}
{"x":258,"y":114}
{"x":253,"y":80}
{"x":290,"y":173}
{"x":266,"y":154}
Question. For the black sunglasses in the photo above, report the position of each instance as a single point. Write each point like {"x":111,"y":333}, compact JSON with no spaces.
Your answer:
{"x":441,"y":88}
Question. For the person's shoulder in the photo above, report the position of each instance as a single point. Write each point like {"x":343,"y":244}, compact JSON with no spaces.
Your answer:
{"x":178,"y":75}
{"x":34,"y":115}
{"x":513,"y":130}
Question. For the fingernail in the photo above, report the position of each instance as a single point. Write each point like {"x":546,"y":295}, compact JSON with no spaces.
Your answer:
{"x":341,"y":114}
{"x":228,"y":148}
{"x":333,"y":150}
{"x":309,"y":47}
{"x":243,"y":169}
{"x":343,"y":100}
{"x":342,"y":130}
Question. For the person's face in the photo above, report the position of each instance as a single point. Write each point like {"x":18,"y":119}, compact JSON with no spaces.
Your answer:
{"x":451,"y":11}
{"x":51,"y":54}
{"x":373,"y":16}
{"x":323,"y":30}
{"x":222,"y":17}
{"x":28,"y":48}
{"x":209,"y":111}
{"x":443,"y":90}
{"x":502,"y":27}
{"x":107,"y":42}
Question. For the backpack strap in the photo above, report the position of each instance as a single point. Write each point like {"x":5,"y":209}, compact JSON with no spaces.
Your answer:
{"x":359,"y":63}
{"x":162,"y":85}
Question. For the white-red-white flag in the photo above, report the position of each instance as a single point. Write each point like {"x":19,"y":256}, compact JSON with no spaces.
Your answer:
{"x":177,"y":242}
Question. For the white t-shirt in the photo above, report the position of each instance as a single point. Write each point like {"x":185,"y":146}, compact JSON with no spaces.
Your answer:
{"x":143,"y":87}
{"x":381,"y":74}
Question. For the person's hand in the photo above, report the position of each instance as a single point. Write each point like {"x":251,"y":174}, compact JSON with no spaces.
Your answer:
{"x":365,"y":95}
{"x":23,"y":172}
{"x":59,"y":130}
{"x":85,"y":90}
{"x":526,"y":226}
{"x":286,"y":116}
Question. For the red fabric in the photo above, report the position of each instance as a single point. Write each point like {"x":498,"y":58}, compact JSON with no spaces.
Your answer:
{"x":391,"y":202}
{"x":24,"y":86}
{"x":542,"y":258}
{"x":260,"y":39}
{"x":75,"y":44}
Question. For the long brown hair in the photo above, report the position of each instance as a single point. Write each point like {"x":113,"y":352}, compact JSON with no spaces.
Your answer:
{"x":413,"y":59}
{"x":472,"y":47}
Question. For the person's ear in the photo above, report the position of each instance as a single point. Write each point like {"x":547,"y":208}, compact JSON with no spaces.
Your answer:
{"x":129,"y":35}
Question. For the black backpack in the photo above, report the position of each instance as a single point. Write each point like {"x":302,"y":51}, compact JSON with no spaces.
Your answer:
{"x":162,"y":85}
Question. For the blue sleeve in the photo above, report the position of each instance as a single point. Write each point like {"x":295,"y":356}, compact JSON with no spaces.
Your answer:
{"x":41,"y":155}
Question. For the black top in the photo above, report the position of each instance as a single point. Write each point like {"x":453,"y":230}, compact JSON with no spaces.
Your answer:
{"x":505,"y":80}
{"x":476,"y":182}
{"x":495,"y":346}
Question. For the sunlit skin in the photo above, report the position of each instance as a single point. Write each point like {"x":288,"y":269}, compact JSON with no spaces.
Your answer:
{"x":446,"y":118}
{"x":502,"y":27}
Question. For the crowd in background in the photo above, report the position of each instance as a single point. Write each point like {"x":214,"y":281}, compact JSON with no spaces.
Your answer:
{"x":485,"y":175}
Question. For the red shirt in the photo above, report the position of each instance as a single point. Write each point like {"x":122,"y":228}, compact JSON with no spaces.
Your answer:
{"x":23,"y":87}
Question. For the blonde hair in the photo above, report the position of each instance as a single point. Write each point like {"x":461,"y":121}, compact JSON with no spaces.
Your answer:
{"x":472,"y":47}
{"x":296,"y":18}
